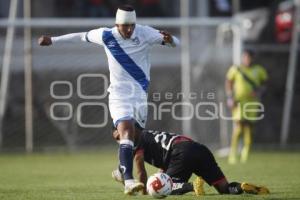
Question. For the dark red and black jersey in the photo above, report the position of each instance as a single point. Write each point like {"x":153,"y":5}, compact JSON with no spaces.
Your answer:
{"x":157,"y":146}
{"x":178,"y":156}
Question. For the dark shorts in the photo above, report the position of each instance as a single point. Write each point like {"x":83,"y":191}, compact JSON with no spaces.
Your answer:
{"x":190,"y":157}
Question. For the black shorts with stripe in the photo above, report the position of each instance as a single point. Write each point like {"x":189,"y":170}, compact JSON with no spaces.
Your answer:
{"x":190,"y":157}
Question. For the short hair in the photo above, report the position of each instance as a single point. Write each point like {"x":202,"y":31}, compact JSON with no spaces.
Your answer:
{"x":126,"y":8}
{"x":249,"y":52}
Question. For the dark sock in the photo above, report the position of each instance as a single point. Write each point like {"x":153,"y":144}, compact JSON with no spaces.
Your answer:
{"x":182,"y":188}
{"x":235,"y":188}
{"x":126,"y":159}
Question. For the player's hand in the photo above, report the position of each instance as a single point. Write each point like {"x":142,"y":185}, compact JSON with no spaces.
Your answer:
{"x":253,"y":94}
{"x":167,"y":37}
{"x":45,"y":41}
{"x":230,"y":103}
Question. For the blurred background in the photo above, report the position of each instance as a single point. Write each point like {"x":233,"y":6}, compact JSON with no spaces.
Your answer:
{"x":39,"y":83}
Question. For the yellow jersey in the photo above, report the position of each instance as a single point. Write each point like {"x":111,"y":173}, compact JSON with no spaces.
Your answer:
{"x":242,"y":89}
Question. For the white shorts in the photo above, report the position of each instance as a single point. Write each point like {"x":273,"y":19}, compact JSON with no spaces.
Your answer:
{"x":129,"y":109}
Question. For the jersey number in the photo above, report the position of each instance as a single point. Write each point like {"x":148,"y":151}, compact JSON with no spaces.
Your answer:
{"x":161,"y":137}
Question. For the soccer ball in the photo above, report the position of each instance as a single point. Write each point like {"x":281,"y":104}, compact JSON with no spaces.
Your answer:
{"x":159,"y":185}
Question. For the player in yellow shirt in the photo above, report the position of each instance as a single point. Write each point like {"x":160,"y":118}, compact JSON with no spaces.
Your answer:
{"x":244,"y":85}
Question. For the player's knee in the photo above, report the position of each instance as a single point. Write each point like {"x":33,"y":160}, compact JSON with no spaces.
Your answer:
{"x":126,"y":130}
{"x":127,"y":134}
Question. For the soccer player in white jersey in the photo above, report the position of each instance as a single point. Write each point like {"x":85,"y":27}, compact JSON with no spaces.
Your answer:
{"x":127,"y":47}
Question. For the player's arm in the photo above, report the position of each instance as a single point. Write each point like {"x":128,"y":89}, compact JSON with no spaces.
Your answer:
{"x":93,"y":36}
{"x":155,"y":36}
{"x":263,"y":76}
{"x":68,"y":38}
{"x":229,"y":93}
{"x":140,"y":167}
{"x":229,"y":86}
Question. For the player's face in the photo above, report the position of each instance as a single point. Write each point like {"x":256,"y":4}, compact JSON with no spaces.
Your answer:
{"x":246,"y":59}
{"x":126,"y":30}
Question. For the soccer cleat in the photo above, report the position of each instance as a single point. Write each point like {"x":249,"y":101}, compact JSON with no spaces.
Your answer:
{"x":133,"y":188}
{"x":117,"y":176}
{"x":235,"y":188}
{"x":198,"y":186}
{"x":253,"y":189}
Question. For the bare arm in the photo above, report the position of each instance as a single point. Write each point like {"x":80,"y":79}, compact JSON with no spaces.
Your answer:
{"x":69,"y":38}
{"x":229,"y":93}
{"x":141,"y":170}
{"x":229,"y":87}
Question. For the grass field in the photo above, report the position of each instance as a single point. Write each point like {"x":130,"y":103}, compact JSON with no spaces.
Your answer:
{"x":87,"y":176}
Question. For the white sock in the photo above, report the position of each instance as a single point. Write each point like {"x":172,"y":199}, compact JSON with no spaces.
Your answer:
{"x":129,"y":181}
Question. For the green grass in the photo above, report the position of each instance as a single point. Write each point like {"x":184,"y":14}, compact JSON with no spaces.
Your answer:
{"x":87,"y":176}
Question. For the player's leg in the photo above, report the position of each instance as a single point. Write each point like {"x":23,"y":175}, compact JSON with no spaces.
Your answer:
{"x":179,"y":171}
{"x":249,"y":118}
{"x":223,"y":187}
{"x":206,"y":166}
{"x":180,"y":168}
{"x":247,"y":134}
{"x":124,"y":118}
{"x":237,"y":131}
{"x":127,"y":132}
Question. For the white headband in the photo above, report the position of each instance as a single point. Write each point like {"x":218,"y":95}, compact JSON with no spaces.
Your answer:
{"x":125,"y":17}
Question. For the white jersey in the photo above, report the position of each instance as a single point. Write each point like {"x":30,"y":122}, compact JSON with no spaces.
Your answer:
{"x":129,"y":66}
{"x":128,"y":59}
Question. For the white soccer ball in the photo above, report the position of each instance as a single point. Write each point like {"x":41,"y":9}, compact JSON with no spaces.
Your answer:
{"x":159,"y":185}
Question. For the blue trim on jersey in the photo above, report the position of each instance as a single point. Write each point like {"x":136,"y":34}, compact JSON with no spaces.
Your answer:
{"x":125,"y":61}
{"x":86,"y":37}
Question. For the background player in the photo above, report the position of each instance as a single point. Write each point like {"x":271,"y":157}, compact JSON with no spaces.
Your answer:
{"x":127,"y":47}
{"x":180,"y":157}
{"x":244,"y":85}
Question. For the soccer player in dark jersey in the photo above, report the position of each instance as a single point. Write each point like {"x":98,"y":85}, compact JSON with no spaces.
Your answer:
{"x":180,"y":157}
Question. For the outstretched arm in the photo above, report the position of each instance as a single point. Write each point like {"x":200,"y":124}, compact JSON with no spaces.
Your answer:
{"x":69,"y":38}
{"x":141,"y":170}
{"x":160,"y":37}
